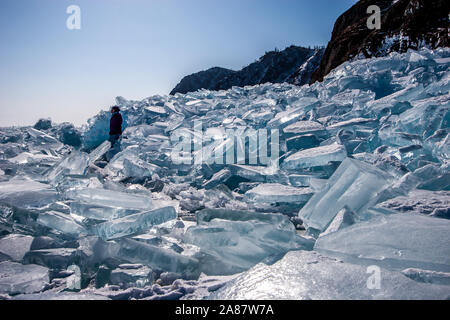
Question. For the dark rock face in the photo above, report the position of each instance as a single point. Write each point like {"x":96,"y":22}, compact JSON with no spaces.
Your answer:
{"x":43,"y":124}
{"x":203,"y":79}
{"x":405,"y":24}
{"x":294,"y":65}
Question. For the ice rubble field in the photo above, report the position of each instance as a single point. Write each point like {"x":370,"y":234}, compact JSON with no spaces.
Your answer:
{"x":362,"y":180}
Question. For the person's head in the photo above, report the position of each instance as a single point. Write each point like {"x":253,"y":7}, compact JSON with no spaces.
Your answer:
{"x":115,"y":109}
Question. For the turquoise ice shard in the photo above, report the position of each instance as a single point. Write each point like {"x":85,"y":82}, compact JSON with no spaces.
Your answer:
{"x":206,"y":215}
{"x":134,"y":224}
{"x":98,"y":152}
{"x":293,"y":114}
{"x":308,"y":275}
{"x":104,"y":197}
{"x":98,"y":212}
{"x":275,"y":192}
{"x":75,"y":163}
{"x":61,"y":222}
{"x":314,"y":157}
{"x":16,"y":278}
{"x":396,"y":242}
{"x":233,"y":241}
{"x":354,"y":184}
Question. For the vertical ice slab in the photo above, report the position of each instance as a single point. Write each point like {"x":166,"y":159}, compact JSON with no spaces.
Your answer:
{"x":98,"y":152}
{"x":355,"y":184}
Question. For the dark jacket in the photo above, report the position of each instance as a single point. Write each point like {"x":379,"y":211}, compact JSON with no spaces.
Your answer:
{"x":115,"y":124}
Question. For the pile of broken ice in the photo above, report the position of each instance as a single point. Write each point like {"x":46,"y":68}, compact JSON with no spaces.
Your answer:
{"x":360,"y":189}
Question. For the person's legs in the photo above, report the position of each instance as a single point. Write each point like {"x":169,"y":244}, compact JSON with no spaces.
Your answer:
{"x":113,"y":139}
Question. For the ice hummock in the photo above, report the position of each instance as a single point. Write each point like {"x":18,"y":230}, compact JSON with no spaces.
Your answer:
{"x":355,"y":185}
{"x":369,"y":142}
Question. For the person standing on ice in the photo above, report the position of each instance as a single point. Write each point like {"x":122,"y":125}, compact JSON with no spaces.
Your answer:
{"x":115,"y":126}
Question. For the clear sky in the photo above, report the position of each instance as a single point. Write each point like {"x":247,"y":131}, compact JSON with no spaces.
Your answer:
{"x":137,"y":48}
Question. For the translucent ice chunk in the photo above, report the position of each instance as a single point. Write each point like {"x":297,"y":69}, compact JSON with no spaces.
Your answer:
{"x":344,"y":218}
{"x":355,"y":184}
{"x":275,"y":192}
{"x":304,"y":127}
{"x":56,"y":258}
{"x":206,"y":215}
{"x":26,"y":193}
{"x":76,"y":163}
{"x":132,"y":276}
{"x":315,"y":157}
{"x":311,"y":276}
{"x":15,"y":246}
{"x":134,"y":224}
{"x":110,"y":198}
{"x":98,"y":152}
{"x":61,"y":222}
{"x":157,"y":258}
{"x":234,"y":245}
{"x":16,"y":278}
{"x":98,"y":212}
{"x":396,"y":241}
{"x":218,"y":178}
{"x":137,"y":168}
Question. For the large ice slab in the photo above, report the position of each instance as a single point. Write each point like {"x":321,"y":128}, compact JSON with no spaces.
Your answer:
{"x":244,"y":239}
{"x":315,"y":157}
{"x":100,"y":151}
{"x":15,"y":246}
{"x":157,"y":258}
{"x":135,"y":223}
{"x":275,"y":192}
{"x":397,"y":241}
{"x":26,"y":193}
{"x":355,"y":184}
{"x":104,"y":197}
{"x":75,"y":163}
{"x":97,"y":212}
{"x":16,"y":278}
{"x":305,"y":127}
{"x":61,"y":222}
{"x":308,"y":275}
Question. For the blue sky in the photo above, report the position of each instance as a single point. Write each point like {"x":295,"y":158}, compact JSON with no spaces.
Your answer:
{"x":137,"y":48}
